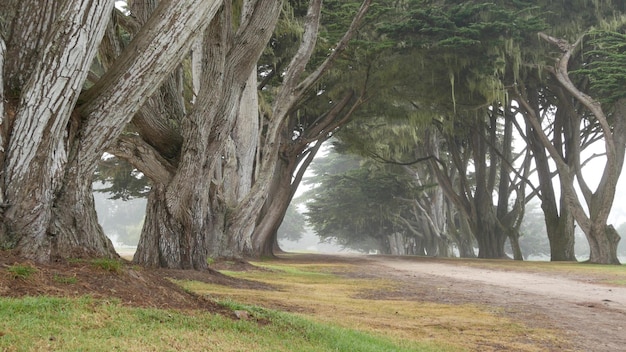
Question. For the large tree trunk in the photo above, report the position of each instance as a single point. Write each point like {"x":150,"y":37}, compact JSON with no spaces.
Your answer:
{"x":74,"y":230}
{"x":558,"y":218}
{"x":560,"y":229}
{"x":46,"y":65}
{"x":276,"y":206}
{"x":172,"y":243}
{"x":57,"y":137}
{"x":489,"y":237}
{"x":213,"y":171}
{"x":603,"y":241}
{"x":485,"y":224}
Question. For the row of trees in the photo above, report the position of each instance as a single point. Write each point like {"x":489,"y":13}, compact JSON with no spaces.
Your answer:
{"x":469,"y":76}
{"x":368,"y":206}
{"x":170,"y":86}
{"x":222,"y":104}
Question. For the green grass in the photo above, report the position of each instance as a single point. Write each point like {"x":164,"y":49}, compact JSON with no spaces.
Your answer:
{"x":19,"y":271}
{"x":112,"y":265}
{"x":85,"y":324}
{"x":65,"y":279}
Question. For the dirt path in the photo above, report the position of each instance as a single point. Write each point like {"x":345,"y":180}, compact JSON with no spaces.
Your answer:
{"x":593,"y":316}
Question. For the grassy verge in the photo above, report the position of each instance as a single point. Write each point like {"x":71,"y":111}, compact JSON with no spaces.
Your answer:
{"x":44,"y":323}
{"x":312,"y":290}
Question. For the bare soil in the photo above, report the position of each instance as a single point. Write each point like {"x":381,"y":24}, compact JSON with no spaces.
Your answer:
{"x":131,"y":285}
{"x":590,"y":314}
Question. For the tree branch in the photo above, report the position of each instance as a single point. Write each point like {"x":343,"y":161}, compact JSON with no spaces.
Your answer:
{"x":343,"y":43}
{"x":142,"y":156}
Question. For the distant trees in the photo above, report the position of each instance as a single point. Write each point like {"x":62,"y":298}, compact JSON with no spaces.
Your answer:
{"x":472,"y":71}
{"x":369,"y":208}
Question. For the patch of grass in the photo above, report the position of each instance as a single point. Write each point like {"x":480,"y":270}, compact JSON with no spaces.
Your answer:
{"x":342,"y":301}
{"x":86,"y":324}
{"x":112,"y":265}
{"x":21,"y":271}
{"x":65,"y":279}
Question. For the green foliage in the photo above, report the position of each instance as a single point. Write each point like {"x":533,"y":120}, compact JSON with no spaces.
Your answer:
{"x":21,"y":271}
{"x":360,"y":207}
{"x":470,"y":49}
{"x":605,"y":65}
{"x":121,"y":179}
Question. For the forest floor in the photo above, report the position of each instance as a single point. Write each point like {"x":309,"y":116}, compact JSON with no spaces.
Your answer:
{"x":587,"y":306}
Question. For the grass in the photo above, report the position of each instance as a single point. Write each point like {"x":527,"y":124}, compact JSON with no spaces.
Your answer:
{"x":19,"y":271}
{"x":313,"y":291}
{"x":65,"y":279}
{"x":44,"y":323}
{"x":312,"y":309}
{"x":112,"y":265}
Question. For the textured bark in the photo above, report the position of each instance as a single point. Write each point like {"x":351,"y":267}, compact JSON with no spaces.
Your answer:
{"x":203,"y":188}
{"x":169,"y":245}
{"x":49,"y":80}
{"x":281,"y":193}
{"x":57,"y":136}
{"x":74,"y":231}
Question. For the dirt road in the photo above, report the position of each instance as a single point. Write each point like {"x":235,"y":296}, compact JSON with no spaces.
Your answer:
{"x":593,"y":316}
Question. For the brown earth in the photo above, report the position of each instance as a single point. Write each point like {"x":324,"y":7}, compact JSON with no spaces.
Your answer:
{"x":592,"y":315}
{"x":130,"y":284}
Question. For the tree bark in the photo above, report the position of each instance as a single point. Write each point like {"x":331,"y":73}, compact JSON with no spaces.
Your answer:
{"x":170,"y":244}
{"x":49,"y":164}
{"x":37,"y":151}
{"x":212,"y":171}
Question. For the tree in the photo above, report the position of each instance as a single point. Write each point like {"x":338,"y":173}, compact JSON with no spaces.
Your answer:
{"x":464,"y":96}
{"x":603,"y":239}
{"x":58,"y":117}
{"x":366,"y":209}
{"x":213,"y":160}
{"x":294,"y":138}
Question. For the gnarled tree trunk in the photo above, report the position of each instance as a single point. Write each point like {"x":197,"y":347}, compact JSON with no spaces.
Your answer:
{"x":57,"y":131}
{"x":46,"y":63}
{"x":211,"y":172}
